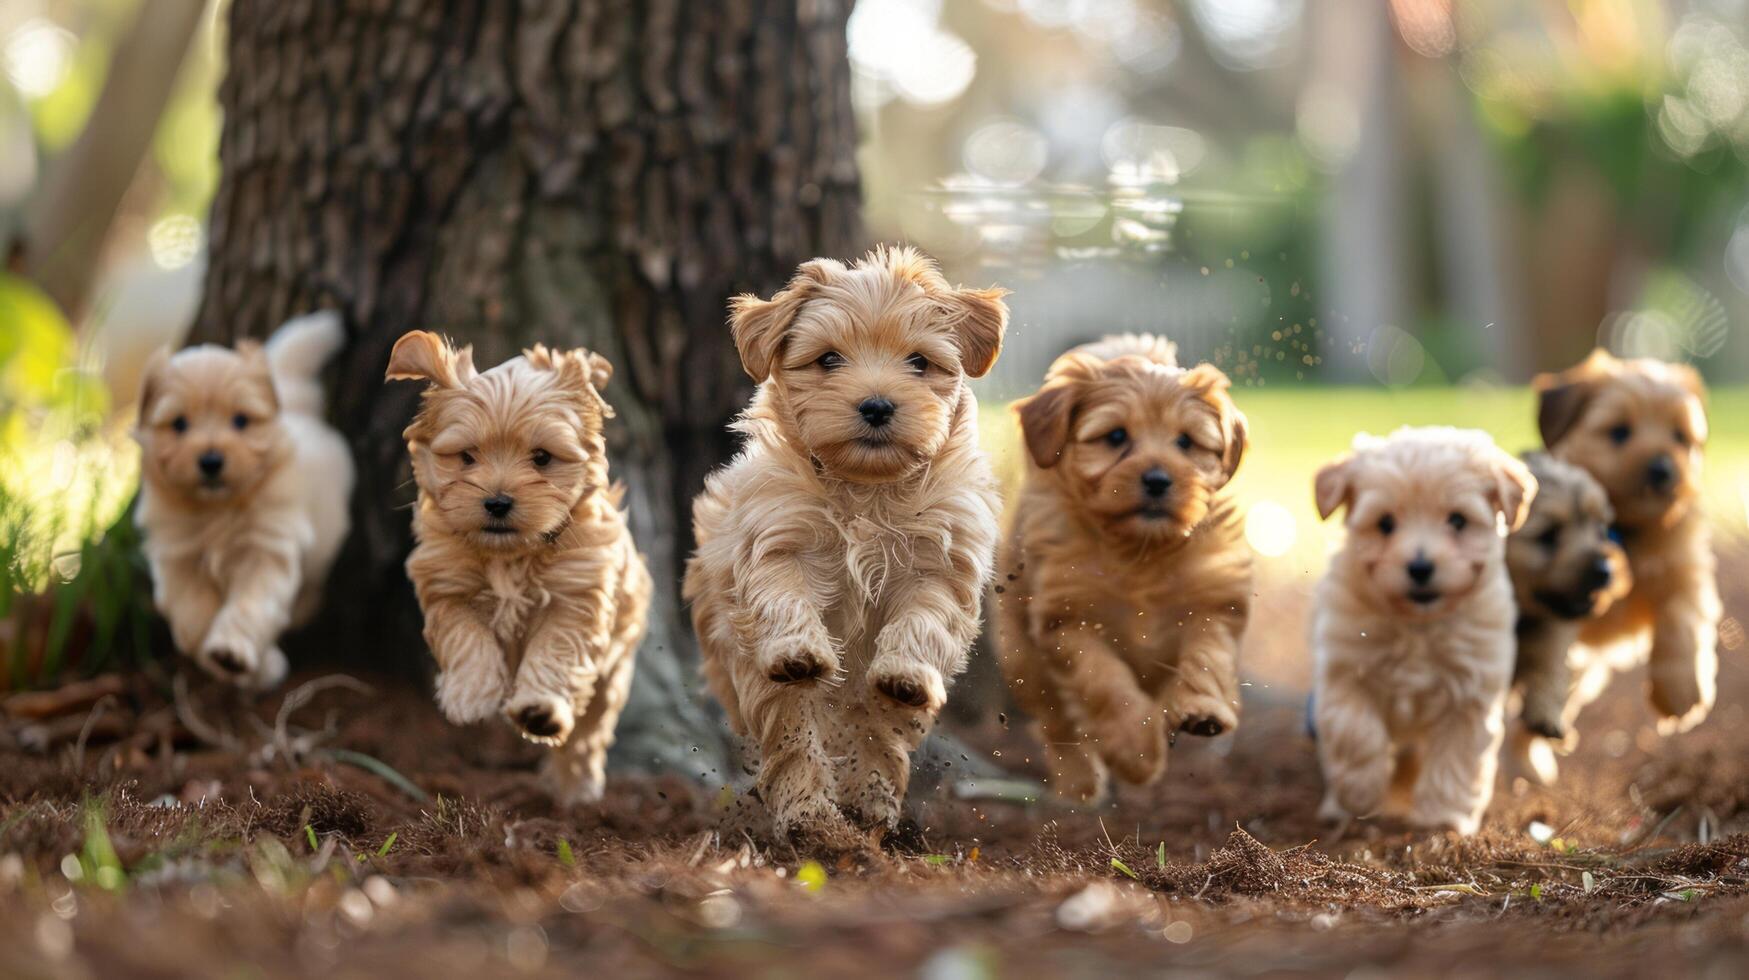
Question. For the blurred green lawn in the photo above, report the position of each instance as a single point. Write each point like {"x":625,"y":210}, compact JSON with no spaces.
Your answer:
{"x":1294,"y":431}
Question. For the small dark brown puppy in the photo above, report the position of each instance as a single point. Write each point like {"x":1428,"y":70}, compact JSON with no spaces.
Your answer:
{"x":1565,"y":571}
{"x":1639,"y":427}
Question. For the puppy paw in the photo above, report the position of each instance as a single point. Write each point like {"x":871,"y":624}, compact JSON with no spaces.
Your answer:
{"x":913,"y":685}
{"x":1075,"y":774}
{"x":572,"y":782}
{"x":1331,"y":810}
{"x":230,"y":658}
{"x":472,"y":690}
{"x":1539,"y":723}
{"x":820,"y":830}
{"x":270,"y":672}
{"x":1200,"y":715}
{"x":1134,"y":747}
{"x":1442,"y":818}
{"x":545,"y":719}
{"x":1681,"y":696}
{"x":797,"y":659}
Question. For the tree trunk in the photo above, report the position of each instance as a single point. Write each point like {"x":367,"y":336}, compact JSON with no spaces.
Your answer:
{"x":602,"y":173}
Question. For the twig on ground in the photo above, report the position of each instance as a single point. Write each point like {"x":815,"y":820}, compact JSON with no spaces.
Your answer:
{"x":192,"y":721}
{"x":37,"y":705}
{"x":303,"y":695}
{"x":378,"y":767}
{"x":96,"y":712}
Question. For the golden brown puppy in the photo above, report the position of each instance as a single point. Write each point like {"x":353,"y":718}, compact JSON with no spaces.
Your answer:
{"x":534,"y":595}
{"x":1412,"y":625}
{"x":1127,"y":579}
{"x":842,"y":556}
{"x":243,"y":494}
{"x":1640,"y":427}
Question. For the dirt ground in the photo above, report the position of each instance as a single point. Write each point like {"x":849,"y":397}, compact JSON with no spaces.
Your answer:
{"x":149,"y":826}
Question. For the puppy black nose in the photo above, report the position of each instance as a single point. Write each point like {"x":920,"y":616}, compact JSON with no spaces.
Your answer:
{"x":1421,"y":570}
{"x":876,"y":411}
{"x":1155,"y":483}
{"x":498,"y":504}
{"x":1661,"y":472}
{"x":211,"y":462}
{"x":1599,"y":574}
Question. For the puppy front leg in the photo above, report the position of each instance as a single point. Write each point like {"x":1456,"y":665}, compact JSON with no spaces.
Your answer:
{"x":188,"y":600}
{"x":472,"y":678}
{"x":241,"y":645}
{"x":1458,"y":761}
{"x":1354,"y":750}
{"x":1203,"y":699}
{"x":560,"y":665}
{"x":1129,"y":730}
{"x":576,"y":772}
{"x":1544,"y":677}
{"x":1684,"y":664}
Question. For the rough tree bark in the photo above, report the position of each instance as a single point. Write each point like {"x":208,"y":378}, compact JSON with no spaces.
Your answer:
{"x":603,"y":173}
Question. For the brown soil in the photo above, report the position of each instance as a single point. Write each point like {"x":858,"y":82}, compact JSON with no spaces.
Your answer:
{"x":234,"y":840}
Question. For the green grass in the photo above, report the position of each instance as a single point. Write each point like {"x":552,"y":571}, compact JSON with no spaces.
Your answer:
{"x":1295,"y":431}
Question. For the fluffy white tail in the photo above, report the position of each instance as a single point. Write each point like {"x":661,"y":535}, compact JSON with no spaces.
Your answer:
{"x":296,"y":353}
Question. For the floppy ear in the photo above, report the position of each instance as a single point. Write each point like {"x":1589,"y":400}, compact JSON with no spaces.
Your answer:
{"x":1235,"y":430}
{"x":1514,"y":489}
{"x":979,"y":318}
{"x":1044,"y":421}
{"x":1334,"y":486}
{"x":600,"y":370}
{"x":424,"y":356}
{"x":759,"y":326}
{"x":1238,"y":440}
{"x":1562,"y":397}
{"x":151,"y":381}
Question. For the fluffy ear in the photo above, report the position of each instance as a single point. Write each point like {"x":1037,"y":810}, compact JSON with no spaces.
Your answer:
{"x":424,"y":356}
{"x":255,"y":359}
{"x":1514,"y":489}
{"x":979,"y":317}
{"x":1044,"y":421}
{"x":1562,"y":397}
{"x":1334,"y":486}
{"x":152,"y":382}
{"x":582,"y":371}
{"x":759,"y":326}
{"x":1235,"y":430}
{"x":600,"y":370}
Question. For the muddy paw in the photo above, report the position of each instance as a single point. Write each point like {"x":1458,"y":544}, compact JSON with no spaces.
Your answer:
{"x":1075,"y":774}
{"x":1548,"y":728}
{"x":1200,"y":715}
{"x":1134,"y":747}
{"x":796,"y":660}
{"x":913,"y":685}
{"x":541,"y":718}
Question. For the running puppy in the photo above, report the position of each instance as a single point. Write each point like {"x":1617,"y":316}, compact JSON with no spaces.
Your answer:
{"x":1640,"y":428}
{"x":1412,"y":628}
{"x":243,"y":494}
{"x":843,"y":555}
{"x":1127,"y":577}
{"x":533,"y":593}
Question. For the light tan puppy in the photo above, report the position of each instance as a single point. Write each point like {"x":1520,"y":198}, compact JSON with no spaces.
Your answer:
{"x":1565,"y":572}
{"x":1126,"y":578}
{"x":243,"y":494}
{"x":534,"y":595}
{"x":1412,"y":625}
{"x":1640,"y":427}
{"x":842,"y":556}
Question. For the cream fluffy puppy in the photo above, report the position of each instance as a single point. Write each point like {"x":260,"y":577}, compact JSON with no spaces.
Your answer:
{"x":1412,"y":628}
{"x":842,"y":556}
{"x":534,"y":595}
{"x":243,"y":494}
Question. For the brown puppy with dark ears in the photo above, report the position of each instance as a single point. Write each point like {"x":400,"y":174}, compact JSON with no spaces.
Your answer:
{"x":1639,"y":427}
{"x":843,"y":555}
{"x":1127,"y":579}
{"x":533,"y":593}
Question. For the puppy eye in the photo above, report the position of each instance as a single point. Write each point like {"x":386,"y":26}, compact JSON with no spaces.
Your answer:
{"x":1387,"y":524}
{"x":1185,"y":442}
{"x":831,"y":360}
{"x":1550,"y":538}
{"x":1117,"y":437}
{"x":542,"y":457}
{"x":239,"y":421}
{"x":1681,"y":438}
{"x":918,"y":363}
{"x":179,"y":423}
{"x":1457,"y":521}
{"x":1618,"y":434}
{"x":467,"y":458}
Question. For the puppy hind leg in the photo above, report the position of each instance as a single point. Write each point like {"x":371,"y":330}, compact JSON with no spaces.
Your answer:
{"x":1459,"y":761}
{"x":881,"y":736}
{"x":795,"y":773}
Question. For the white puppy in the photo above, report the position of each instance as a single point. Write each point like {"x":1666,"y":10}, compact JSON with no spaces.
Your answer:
{"x":1412,"y":625}
{"x":243,"y":494}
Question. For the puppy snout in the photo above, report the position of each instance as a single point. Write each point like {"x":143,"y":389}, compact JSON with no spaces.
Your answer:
{"x":1660,"y":473}
{"x":1155,"y":483}
{"x":1420,"y":570}
{"x":211,"y":462}
{"x":1598,"y":574}
{"x":876,"y":410}
{"x":499,"y":504}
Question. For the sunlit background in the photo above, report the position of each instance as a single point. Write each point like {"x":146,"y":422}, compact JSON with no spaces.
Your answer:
{"x":1423,"y":202}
